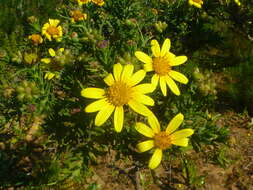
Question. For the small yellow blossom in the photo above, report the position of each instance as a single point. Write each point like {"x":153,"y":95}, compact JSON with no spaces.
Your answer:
{"x":162,"y":140}
{"x":52,"y":30}
{"x":162,"y":64}
{"x":238,"y":2}
{"x":36,"y":39}
{"x":196,"y":3}
{"x":82,"y":2}
{"x":77,"y":15}
{"x":123,"y":90}
{"x":98,"y":2}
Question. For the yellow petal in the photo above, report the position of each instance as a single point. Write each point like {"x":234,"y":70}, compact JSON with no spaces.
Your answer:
{"x":180,"y":142}
{"x":154,"y":123}
{"x":95,"y":93}
{"x":96,"y":106}
{"x":163,"y":85}
{"x":54,"y":22}
{"x":51,"y":52}
{"x":103,"y":115}
{"x":145,"y":146}
{"x":143,"y":57}
{"x":127,"y":72}
{"x":178,"y":77}
{"x":178,"y":60}
{"x":181,"y":134}
{"x":148,"y":67}
{"x":165,"y":47}
{"x":154,"y":80}
{"x":172,"y":85}
{"x":143,"y":88}
{"x":155,"y":159}
{"x":118,"y":118}
{"x":175,"y":123}
{"x":49,"y":76}
{"x":137,"y":77}
{"x":144,"y":130}
{"x":155,"y":47}
{"x":117,"y":69}
{"x":109,"y":80}
{"x":45,"y":60}
{"x":144,"y":99}
{"x":61,"y":49}
{"x":139,"y":108}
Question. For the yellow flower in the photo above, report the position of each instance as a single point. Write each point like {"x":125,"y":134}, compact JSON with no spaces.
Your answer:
{"x":49,"y":75}
{"x":52,"y":30}
{"x":196,"y":3}
{"x":36,"y":39}
{"x":77,"y":16}
{"x":98,"y":2}
{"x":122,"y":90}
{"x":82,"y":2}
{"x":237,"y":2}
{"x":162,"y":140}
{"x":162,"y":64}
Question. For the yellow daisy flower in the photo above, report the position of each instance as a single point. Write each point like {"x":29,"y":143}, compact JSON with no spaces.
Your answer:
{"x":77,"y":16}
{"x":196,"y":3}
{"x":82,"y":2}
{"x":122,"y":90}
{"x":162,"y":64}
{"x":98,"y":2}
{"x":36,"y":39}
{"x":162,"y":140}
{"x":52,"y":30}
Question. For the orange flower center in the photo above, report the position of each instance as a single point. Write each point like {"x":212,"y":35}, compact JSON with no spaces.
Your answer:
{"x":162,"y":140}
{"x":36,"y":38}
{"x":119,"y":94}
{"x":161,"y":65}
{"x":198,"y":1}
{"x":77,"y":15}
{"x":52,"y":30}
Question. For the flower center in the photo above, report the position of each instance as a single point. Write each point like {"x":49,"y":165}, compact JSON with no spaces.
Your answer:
{"x":52,"y":30}
{"x":162,"y":140}
{"x":35,"y":38}
{"x":77,"y":15}
{"x":161,"y":65}
{"x":119,"y":94}
{"x":198,"y":1}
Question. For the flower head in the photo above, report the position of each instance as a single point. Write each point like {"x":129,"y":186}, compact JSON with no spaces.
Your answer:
{"x":77,"y":15}
{"x":196,"y":3}
{"x":52,"y":30}
{"x":162,"y":140}
{"x":122,"y":90}
{"x":161,"y":63}
{"x":36,"y":39}
{"x":98,"y":2}
{"x":82,"y":2}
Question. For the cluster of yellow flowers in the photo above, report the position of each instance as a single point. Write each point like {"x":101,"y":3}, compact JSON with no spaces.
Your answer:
{"x":199,"y":3}
{"x":124,"y":89}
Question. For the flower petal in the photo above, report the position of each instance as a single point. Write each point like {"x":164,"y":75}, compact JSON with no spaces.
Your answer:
{"x":175,"y":123}
{"x":148,"y":67}
{"x":137,"y":77}
{"x":178,"y":77}
{"x":51,"y":52}
{"x":143,"y":57}
{"x":165,"y":47}
{"x":118,"y":118}
{"x":154,"y":123}
{"x":127,"y":72}
{"x":103,"y":115}
{"x":180,"y":142}
{"x":95,"y":93}
{"x":172,"y":85}
{"x":178,"y":60}
{"x":143,"y":88}
{"x":145,"y":146}
{"x":139,"y":108}
{"x":154,"y":80}
{"x":163,"y":85}
{"x":144,"y":99}
{"x":117,"y":69}
{"x":155,"y":48}
{"x":45,"y":60}
{"x":144,"y":130}
{"x":96,"y":106}
{"x":155,"y":159}
{"x":109,"y":80}
{"x":181,"y":134}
